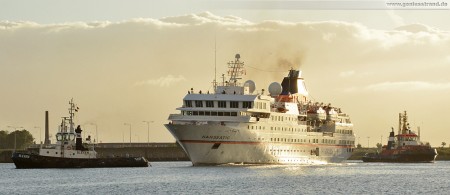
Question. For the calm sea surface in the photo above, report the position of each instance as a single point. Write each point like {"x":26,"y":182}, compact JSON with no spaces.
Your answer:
{"x":353,"y":177}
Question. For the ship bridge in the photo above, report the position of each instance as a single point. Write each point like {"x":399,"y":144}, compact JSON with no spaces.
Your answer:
{"x":217,"y":107}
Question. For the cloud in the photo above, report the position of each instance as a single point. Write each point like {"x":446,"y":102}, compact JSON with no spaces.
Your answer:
{"x":408,"y":86}
{"x":96,"y":61}
{"x":397,"y":19}
{"x":347,"y":73}
{"x":349,"y":89}
{"x":162,"y":81}
{"x":206,"y":18}
{"x":416,"y":28}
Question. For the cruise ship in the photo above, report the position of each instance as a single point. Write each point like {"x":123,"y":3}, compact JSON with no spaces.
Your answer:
{"x":237,"y":124}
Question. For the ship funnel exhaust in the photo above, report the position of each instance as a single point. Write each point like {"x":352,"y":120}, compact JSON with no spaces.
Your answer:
{"x":47,"y":139}
{"x":79,"y":140}
{"x":293,"y":84}
{"x":391,"y":141}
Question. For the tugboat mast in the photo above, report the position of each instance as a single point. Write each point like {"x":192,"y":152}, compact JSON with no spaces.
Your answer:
{"x":72,"y":108}
{"x":403,"y":125}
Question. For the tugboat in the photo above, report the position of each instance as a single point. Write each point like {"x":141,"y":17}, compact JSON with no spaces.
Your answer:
{"x":70,"y":152}
{"x":403,"y":147}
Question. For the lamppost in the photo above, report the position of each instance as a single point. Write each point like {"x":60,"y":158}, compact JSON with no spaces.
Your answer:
{"x":40,"y":135}
{"x":137,"y":137}
{"x":368,"y":138}
{"x":148,"y":131}
{"x":96,"y":131}
{"x":15,"y":135}
{"x":130,"y":131}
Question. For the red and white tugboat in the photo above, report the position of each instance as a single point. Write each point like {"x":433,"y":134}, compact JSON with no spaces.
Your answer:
{"x":403,"y":147}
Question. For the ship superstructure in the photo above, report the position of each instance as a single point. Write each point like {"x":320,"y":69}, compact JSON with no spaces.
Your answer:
{"x":69,"y":142}
{"x":237,"y":124}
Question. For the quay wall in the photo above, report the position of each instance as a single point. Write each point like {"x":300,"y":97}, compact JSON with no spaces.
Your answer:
{"x":151,"y":151}
{"x":173,"y":152}
{"x":5,"y":156}
{"x":358,"y":153}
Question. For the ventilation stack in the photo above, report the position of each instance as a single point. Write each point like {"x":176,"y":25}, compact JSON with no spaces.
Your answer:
{"x":47,"y":135}
{"x":293,"y":84}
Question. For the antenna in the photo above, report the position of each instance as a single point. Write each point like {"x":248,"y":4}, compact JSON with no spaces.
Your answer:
{"x":235,"y":69}
{"x":72,"y":114}
{"x":223,"y":79}
{"x":399,"y":123}
{"x":215,"y":63}
{"x":418,"y":131}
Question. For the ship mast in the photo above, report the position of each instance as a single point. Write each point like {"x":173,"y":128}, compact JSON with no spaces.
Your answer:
{"x":215,"y":64}
{"x":235,"y":70}
{"x":72,"y":110}
{"x":399,"y":124}
{"x":403,"y":125}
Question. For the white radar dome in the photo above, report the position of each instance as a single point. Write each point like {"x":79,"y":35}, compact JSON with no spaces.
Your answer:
{"x":275,"y":88}
{"x":251,"y":85}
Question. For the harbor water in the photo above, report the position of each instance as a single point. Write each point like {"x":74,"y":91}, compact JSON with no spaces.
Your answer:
{"x":352,"y":177}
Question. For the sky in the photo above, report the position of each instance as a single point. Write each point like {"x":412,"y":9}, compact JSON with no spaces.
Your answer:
{"x":133,"y":61}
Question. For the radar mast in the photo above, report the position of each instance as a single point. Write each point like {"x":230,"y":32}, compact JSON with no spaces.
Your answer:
{"x":235,"y":70}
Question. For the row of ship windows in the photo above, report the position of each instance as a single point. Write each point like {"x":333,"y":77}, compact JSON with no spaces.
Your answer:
{"x":274,"y":150}
{"x":283,"y":118}
{"x":408,"y":138}
{"x":293,"y":129}
{"x":61,"y":153}
{"x":289,"y":140}
{"x":312,"y":152}
{"x":280,"y":152}
{"x":321,"y":141}
{"x":344,"y":131}
{"x":65,"y":136}
{"x":276,"y":128}
{"x":208,"y":113}
{"x":218,"y":104}
{"x":317,"y":141}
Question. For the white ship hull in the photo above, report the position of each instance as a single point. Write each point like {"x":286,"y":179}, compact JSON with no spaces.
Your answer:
{"x":214,"y":144}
